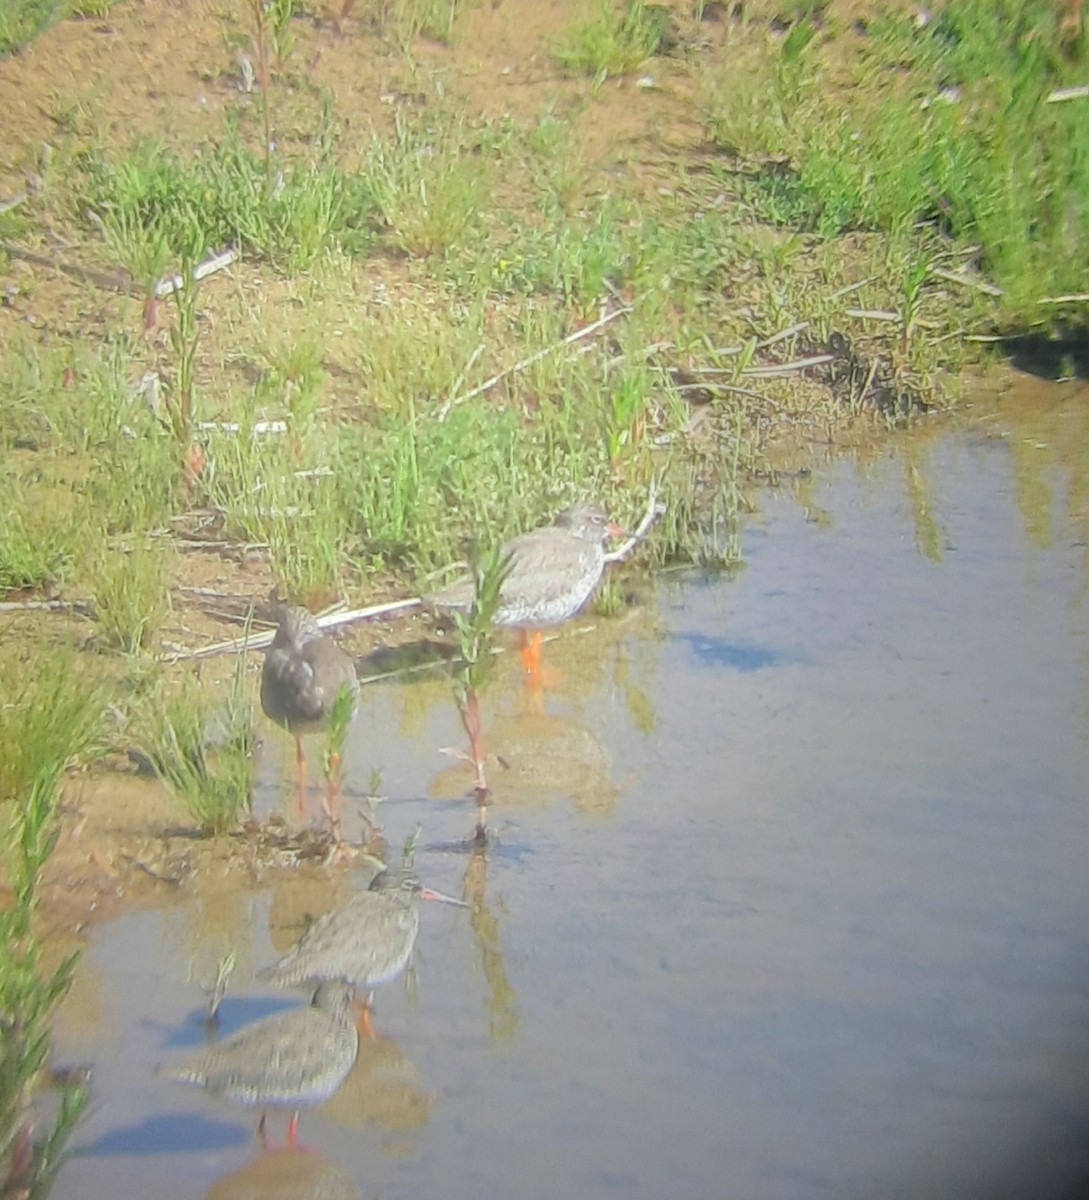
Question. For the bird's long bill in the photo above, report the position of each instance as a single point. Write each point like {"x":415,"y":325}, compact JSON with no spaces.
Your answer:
{"x":615,"y":530}
{"x":441,"y":897}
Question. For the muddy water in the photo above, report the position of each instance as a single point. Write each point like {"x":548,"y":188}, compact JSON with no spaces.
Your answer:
{"x":790,"y":896}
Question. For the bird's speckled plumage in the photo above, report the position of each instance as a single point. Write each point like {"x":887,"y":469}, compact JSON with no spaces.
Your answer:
{"x":303,"y":673}
{"x":365,"y":941}
{"x":291,"y":1058}
{"x":553,"y":571}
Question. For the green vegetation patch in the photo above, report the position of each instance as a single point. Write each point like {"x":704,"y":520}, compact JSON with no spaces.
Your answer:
{"x":958,"y":123}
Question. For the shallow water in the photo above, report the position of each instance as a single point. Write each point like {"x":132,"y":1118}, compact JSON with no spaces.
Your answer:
{"x":790,"y":895}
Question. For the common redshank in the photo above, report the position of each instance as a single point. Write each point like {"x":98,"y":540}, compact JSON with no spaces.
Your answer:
{"x":365,"y":941}
{"x":302,"y":676}
{"x":553,"y":572}
{"x":290,"y":1058}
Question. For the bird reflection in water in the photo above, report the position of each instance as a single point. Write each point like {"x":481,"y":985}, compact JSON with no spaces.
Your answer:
{"x":383,"y":1089}
{"x":286,"y":1175}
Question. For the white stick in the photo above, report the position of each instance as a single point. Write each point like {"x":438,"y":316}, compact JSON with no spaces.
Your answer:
{"x":258,"y":641}
{"x":521,"y":365}
{"x":12,"y":202}
{"x":655,"y":508}
{"x":258,"y":427}
{"x":980,"y":285}
{"x":873,"y":314}
{"x":175,"y":283}
{"x":1070,"y":93}
{"x":799,"y":364}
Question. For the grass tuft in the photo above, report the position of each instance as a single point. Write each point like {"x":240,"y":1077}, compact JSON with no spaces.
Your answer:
{"x":201,"y":748}
{"x":946,"y":125}
{"x":429,"y":183}
{"x":51,"y":716}
{"x":130,"y":591}
{"x":616,"y":41}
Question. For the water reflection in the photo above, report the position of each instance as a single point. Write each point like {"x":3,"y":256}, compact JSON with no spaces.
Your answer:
{"x":825,"y":933}
{"x":217,"y":930}
{"x":535,"y":757}
{"x":286,"y":1175}
{"x":501,"y":999}
{"x":301,"y":896}
{"x":383,"y":1089}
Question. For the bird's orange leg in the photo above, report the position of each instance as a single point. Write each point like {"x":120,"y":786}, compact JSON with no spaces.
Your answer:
{"x":537,"y":676}
{"x":531,"y":651}
{"x":365,"y":1024}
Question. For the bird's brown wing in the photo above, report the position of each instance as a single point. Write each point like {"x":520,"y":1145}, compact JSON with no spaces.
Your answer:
{"x":542,"y":567}
{"x":288,"y":687}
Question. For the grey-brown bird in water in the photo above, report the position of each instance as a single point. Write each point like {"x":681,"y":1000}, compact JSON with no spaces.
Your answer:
{"x":302,"y":676}
{"x":553,"y":572}
{"x":365,"y":941}
{"x":290,"y":1058}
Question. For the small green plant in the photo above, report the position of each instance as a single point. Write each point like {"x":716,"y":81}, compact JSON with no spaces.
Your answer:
{"x":201,"y":750}
{"x":32,"y":1151}
{"x":608,"y":599}
{"x":37,"y":540}
{"x":340,"y":720}
{"x":280,"y":15}
{"x":129,"y":591}
{"x":152,"y":203}
{"x":475,"y":633}
{"x":184,"y":340}
{"x":624,"y":417}
{"x":616,"y":41}
{"x":410,"y":19}
{"x":22,"y":20}
{"x":948,"y":127}
{"x":427,"y":184}
{"x":89,"y":8}
{"x":294,"y":373}
{"x":51,"y":716}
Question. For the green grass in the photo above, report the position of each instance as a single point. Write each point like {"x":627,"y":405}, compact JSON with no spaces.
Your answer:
{"x":51,"y":717}
{"x":407,"y":20}
{"x":200,"y":744}
{"x":22,"y":20}
{"x":129,"y":582}
{"x":392,"y":265}
{"x":947,"y":126}
{"x":38,"y":544}
{"x":619,"y":39}
{"x":154,"y":205}
{"x":429,"y":182}
{"x":32,"y":1146}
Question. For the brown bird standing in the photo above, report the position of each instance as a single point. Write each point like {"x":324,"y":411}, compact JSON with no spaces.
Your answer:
{"x":365,"y":941}
{"x":553,"y":572}
{"x":302,"y":676}
{"x":290,"y":1058}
